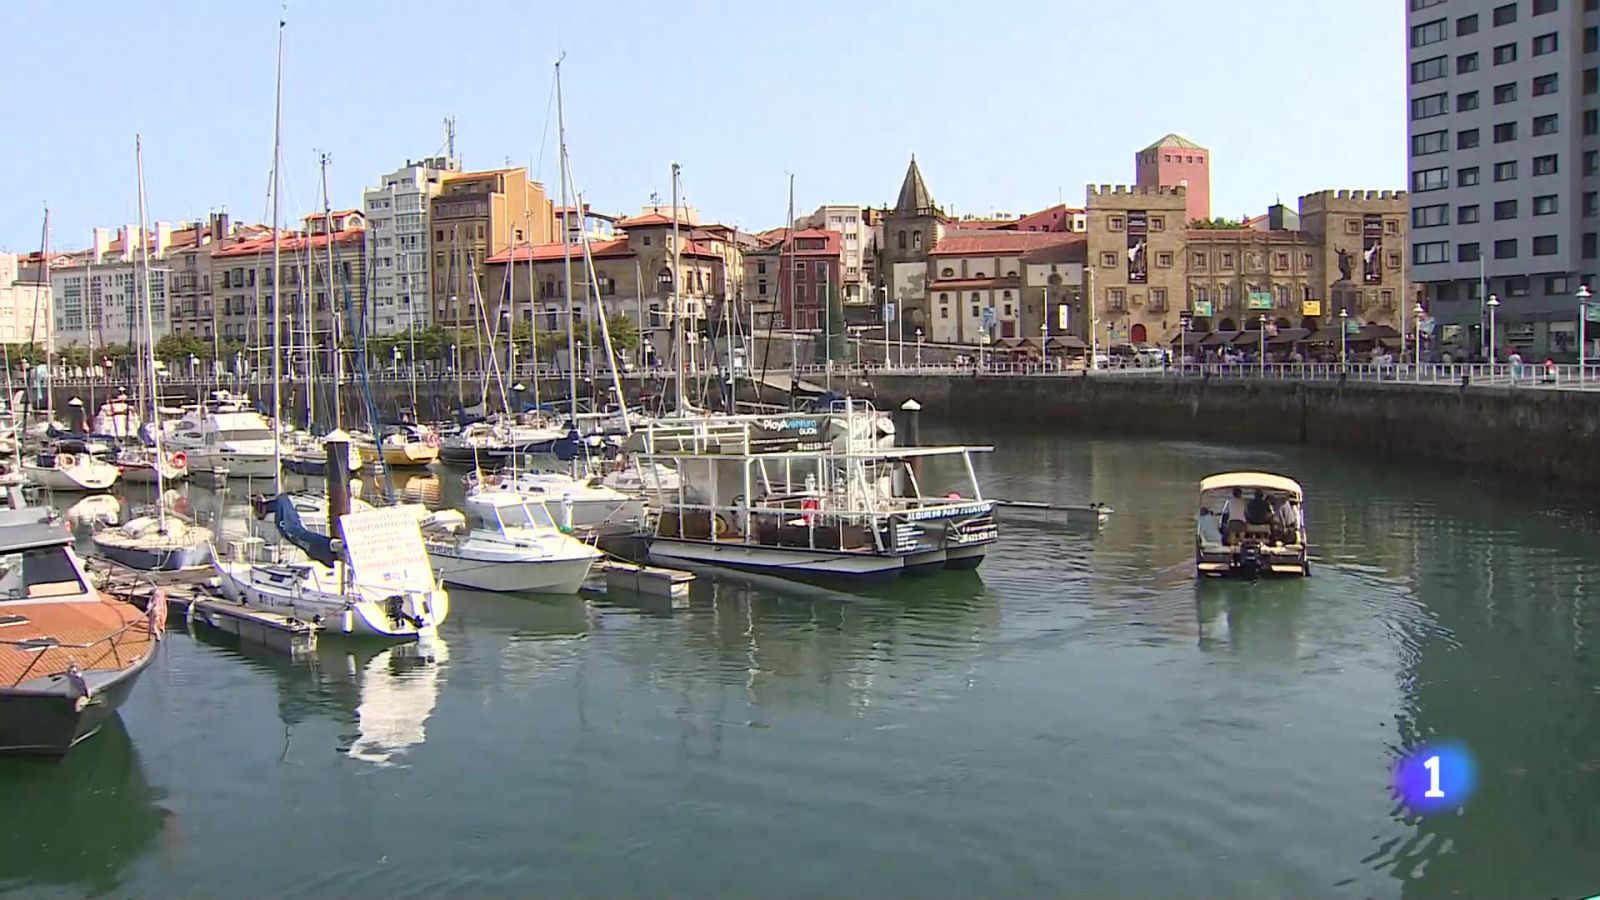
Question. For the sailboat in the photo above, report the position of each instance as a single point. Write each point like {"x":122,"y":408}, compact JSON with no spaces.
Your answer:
{"x":162,"y":541}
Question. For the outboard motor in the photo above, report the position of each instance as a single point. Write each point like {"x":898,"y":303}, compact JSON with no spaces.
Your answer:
{"x":1250,"y":558}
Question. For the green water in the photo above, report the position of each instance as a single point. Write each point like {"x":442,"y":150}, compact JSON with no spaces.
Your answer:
{"x":1077,"y":717}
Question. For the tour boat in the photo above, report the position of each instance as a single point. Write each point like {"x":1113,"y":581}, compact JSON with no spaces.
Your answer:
{"x":575,"y":503}
{"x":815,"y":495}
{"x":402,"y":446}
{"x":69,"y":655}
{"x":238,"y":443}
{"x":1250,"y":524}
{"x":376,"y":583}
{"x":506,"y":542}
{"x":69,"y":466}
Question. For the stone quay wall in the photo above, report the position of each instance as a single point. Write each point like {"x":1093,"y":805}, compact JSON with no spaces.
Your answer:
{"x":1526,"y":433}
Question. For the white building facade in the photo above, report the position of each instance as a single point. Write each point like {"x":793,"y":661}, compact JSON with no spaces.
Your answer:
{"x":97,"y":299}
{"x":397,"y":245}
{"x":24,"y":303}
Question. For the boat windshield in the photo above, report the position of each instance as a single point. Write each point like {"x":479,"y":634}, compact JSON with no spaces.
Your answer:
{"x":40,"y":572}
{"x":247,"y":434}
{"x":526,"y":515}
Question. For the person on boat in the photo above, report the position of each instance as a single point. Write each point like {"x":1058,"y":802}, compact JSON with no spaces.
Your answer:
{"x":1233,"y":514}
{"x":1258,"y":511}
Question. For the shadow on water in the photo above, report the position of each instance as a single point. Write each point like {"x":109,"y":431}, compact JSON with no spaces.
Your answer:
{"x":80,"y":822}
{"x":1251,"y":618}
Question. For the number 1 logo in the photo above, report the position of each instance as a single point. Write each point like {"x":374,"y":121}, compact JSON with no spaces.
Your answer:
{"x":1432,"y":765}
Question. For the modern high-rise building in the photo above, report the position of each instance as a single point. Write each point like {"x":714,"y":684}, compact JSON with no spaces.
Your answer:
{"x":397,"y":212}
{"x":1504,"y":151}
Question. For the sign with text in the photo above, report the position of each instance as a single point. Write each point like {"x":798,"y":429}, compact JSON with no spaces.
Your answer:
{"x":1202,"y":308}
{"x":1312,"y":308}
{"x":1064,"y":317}
{"x":1259,"y":300}
{"x":385,"y":550}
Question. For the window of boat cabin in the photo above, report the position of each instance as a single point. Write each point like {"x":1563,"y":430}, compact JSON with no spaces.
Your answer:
{"x":527,"y":515}
{"x":40,"y":572}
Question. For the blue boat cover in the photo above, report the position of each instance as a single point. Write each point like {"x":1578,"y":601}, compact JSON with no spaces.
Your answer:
{"x":318,"y":547}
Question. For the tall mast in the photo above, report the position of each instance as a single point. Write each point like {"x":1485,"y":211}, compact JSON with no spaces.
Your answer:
{"x":786,"y":268}
{"x":277,"y":305}
{"x":333,"y":308}
{"x":150,"y":340}
{"x":49,"y":325}
{"x":533,"y":310}
{"x":678,"y":341}
{"x":566,"y":259}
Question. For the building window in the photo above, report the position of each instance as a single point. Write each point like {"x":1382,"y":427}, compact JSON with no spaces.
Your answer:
{"x":1467,"y":215}
{"x":1430,"y":252}
{"x":1430,"y":216}
{"x":1543,"y":125}
{"x":1225,"y":260}
{"x":1591,"y":123}
{"x":1467,"y":252}
{"x":916,"y":239}
{"x":1505,"y":171}
{"x":1114,"y":223}
{"x":1430,"y":142}
{"x":1466,"y":102}
{"x":1505,"y":132}
{"x":1428,"y":33}
{"x":1428,"y":69}
{"x":1591,"y":161}
{"x":1545,"y":84}
{"x":1308,"y":260}
{"x":1544,"y":205}
{"x":1588,"y":245}
{"x":1591,"y":204}
{"x":1591,"y":39}
{"x":1505,"y":15}
{"x":1560,"y":285}
{"x":1467,"y":25}
{"x":902,"y":240}
{"x":1467,"y":139}
{"x":1505,"y":54}
{"x":1158,"y":299}
{"x":1158,"y":223}
{"x":1108,"y":260}
{"x":1428,"y":180}
{"x":1116,"y":298}
{"x":1505,"y":249}
{"x":1197,"y":259}
{"x":1164,"y":260}
{"x":1544,"y":245}
{"x":1591,"y":81}
{"x":1540,"y":7}
{"x":1466,"y":63}
{"x":1280,"y":261}
{"x":1544,"y":165}
{"x":1505,"y":209}
{"x":1505,"y":93}
{"x":1544,"y":43}
{"x":1428,"y":107}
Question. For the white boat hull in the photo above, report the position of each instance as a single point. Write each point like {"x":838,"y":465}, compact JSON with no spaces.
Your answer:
{"x":797,"y":561}
{"x":95,"y":477}
{"x":236,"y":465}
{"x":545,"y":576}
{"x":316,"y":598}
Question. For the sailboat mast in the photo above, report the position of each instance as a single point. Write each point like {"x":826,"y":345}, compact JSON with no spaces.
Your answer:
{"x":786,"y":267}
{"x":150,"y":340}
{"x":678,"y":338}
{"x":533,"y":313}
{"x":277,"y":333}
{"x":333,"y":308}
{"x":566,"y":259}
{"x":49,"y":326}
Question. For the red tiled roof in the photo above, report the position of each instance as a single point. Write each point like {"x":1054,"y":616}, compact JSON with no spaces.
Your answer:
{"x":546,"y":252}
{"x":1008,"y":243}
{"x":651,"y":220}
{"x":960,"y":283}
{"x":288,"y":243}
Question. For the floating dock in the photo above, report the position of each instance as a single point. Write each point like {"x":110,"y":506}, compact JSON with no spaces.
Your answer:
{"x":1092,"y":515}
{"x":654,"y":582}
{"x":192,"y":594}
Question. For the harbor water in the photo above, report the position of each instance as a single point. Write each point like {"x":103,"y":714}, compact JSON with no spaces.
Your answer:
{"x":1077,"y":717}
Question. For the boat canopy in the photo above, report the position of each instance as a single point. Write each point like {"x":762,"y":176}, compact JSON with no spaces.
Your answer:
{"x":317,"y":546}
{"x":1263,"y":480}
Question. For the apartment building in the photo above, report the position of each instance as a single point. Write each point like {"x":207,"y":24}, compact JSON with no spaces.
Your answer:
{"x":477,"y":215}
{"x":97,"y":293}
{"x":1504,"y":151}
{"x":397,"y":213}
{"x":243,"y":283}
{"x":849,"y":221}
{"x":24,"y":300}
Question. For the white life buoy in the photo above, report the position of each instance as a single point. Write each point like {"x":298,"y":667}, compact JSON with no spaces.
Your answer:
{"x":65,"y":460}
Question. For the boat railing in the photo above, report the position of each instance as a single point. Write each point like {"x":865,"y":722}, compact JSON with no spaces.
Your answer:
{"x":145,"y":625}
{"x":786,"y":516}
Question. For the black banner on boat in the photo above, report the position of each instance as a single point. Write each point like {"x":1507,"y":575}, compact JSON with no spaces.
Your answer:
{"x":788,"y":434}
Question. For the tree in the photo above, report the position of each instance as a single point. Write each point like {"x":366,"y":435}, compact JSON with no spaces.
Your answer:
{"x":177,"y":348}
{"x":74,"y":355}
{"x":1217,"y":222}
{"x":833,"y":345}
{"x":624,"y":333}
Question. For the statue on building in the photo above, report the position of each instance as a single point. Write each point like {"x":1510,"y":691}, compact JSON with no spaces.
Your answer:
{"x":1344,"y":265}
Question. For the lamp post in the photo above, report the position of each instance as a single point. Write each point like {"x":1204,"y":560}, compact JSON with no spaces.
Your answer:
{"x":1583,"y":296}
{"x":1493,"y":304}
{"x":1044,"y":338}
{"x":194,"y":362}
{"x":1185,"y":319}
{"x":1416,"y":323}
{"x":452,"y":359}
{"x":888,"y":316}
{"x":1344,"y":331}
{"x":919,"y":348}
{"x":397,"y":360}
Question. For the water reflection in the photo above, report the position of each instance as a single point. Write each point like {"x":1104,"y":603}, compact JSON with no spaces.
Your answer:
{"x":79,"y":822}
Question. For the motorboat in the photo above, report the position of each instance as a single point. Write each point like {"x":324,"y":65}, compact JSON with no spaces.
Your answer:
{"x":498,"y":440}
{"x":819,"y":495}
{"x":402,"y":446}
{"x":576,"y":503}
{"x":139,"y":464}
{"x":1250,"y":524}
{"x":155,"y":543}
{"x":503,"y":541}
{"x":95,"y":509}
{"x":239,"y":443}
{"x":70,"y":466}
{"x":376,"y":582}
{"x":307,"y":455}
{"x":69,"y":655}
{"x":118,"y":418}
{"x":633,"y":477}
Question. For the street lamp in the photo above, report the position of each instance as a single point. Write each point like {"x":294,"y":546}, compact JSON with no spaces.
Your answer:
{"x":1344,"y":330}
{"x":1583,"y":323}
{"x":1493,"y":304}
{"x":194,"y":361}
{"x":1416,"y":318}
{"x":1044,"y":337}
{"x":452,"y":359}
{"x":397,"y":360}
{"x":919,"y":348}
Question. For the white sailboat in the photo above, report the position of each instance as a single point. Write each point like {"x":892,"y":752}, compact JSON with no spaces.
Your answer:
{"x":163,"y":541}
{"x":508,"y":543}
{"x":69,"y":466}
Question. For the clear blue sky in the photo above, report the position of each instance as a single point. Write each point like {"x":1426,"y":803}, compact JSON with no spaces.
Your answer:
{"x":1006,"y":106}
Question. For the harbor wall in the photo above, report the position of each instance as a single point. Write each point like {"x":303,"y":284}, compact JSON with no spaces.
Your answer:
{"x":1529,"y":433}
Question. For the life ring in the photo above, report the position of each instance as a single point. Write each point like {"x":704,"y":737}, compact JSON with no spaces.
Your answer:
{"x":65,"y":460}
{"x":808,"y":509}
{"x":180,"y":460}
{"x":432,"y":440}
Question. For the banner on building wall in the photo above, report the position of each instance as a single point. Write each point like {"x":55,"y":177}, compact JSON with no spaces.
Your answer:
{"x":1372,"y":248}
{"x":1202,"y":308}
{"x":1312,"y":308}
{"x":1259,"y":300}
{"x":1064,"y":317}
{"x":1138,"y":237}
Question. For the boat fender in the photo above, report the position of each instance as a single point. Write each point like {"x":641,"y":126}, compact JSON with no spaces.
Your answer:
{"x":349,"y":623}
{"x":180,"y":459}
{"x":721,"y":525}
{"x":808,"y":509}
{"x":432,"y":440}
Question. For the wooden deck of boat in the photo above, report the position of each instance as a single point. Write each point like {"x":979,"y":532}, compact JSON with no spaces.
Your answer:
{"x":92,"y":635}
{"x":193,"y":595}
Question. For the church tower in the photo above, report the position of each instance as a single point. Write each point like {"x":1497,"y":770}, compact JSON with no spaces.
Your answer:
{"x":909,"y":232}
